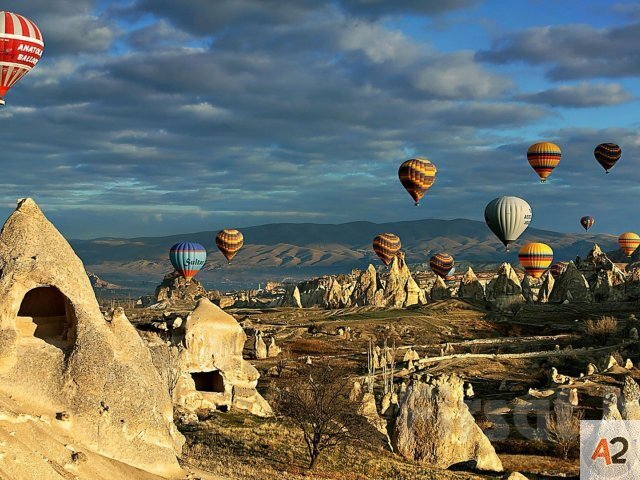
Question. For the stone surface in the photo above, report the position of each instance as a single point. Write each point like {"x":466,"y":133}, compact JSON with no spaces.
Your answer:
{"x":213,"y":373}
{"x":439,"y":290}
{"x":434,"y":426}
{"x":571,"y":287}
{"x":58,"y":354}
{"x":546,"y":287}
{"x":291,"y":297}
{"x":273,"y":350}
{"x":174,"y":289}
{"x":470,"y":287}
{"x":364,"y":292}
{"x":610,"y":407}
{"x":259,"y":347}
{"x":630,"y":398}
{"x":504,"y":290}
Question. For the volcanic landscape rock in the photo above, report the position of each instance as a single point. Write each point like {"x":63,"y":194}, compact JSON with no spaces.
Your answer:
{"x":434,"y":426}
{"x":470,"y":286}
{"x":58,"y":354}
{"x":504,"y":290}
{"x":571,"y":286}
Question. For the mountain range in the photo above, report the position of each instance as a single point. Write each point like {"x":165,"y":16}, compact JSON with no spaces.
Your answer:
{"x":303,"y":250}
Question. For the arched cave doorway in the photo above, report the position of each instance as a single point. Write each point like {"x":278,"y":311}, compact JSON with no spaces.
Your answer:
{"x":52,"y":313}
{"x":208,"y":381}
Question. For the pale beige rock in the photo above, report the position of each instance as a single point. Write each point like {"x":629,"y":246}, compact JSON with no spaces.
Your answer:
{"x":516,"y":476}
{"x":214,"y":374}
{"x":573,"y":397}
{"x":468,"y":391}
{"x":175,"y":290}
{"x":434,"y":426}
{"x":273,"y":350}
{"x":611,"y":362}
{"x":470,"y":286}
{"x":259,"y":347}
{"x":630,"y":399}
{"x":364,"y":292}
{"x":58,"y":354}
{"x":504,"y":290}
{"x":633,"y":333}
{"x":628,"y":364}
{"x":530,"y":288}
{"x":591,"y":369}
{"x":610,"y":407}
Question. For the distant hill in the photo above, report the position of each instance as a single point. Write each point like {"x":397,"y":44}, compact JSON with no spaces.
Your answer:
{"x":296,"y":250}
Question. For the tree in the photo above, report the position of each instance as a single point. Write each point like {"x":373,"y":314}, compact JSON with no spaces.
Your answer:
{"x":317,"y":401}
{"x":563,"y":427}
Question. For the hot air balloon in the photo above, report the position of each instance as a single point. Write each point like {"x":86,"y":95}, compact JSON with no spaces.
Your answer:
{"x":187,"y":258}
{"x":535,"y":258}
{"x":229,"y":242}
{"x":587,"y":222}
{"x":508,"y":217}
{"x":417,"y":175}
{"x":628,"y":242}
{"x":557,"y":268}
{"x":544,"y":157}
{"x":21,"y":48}
{"x":442,"y":264}
{"x":386,"y":246}
{"x":607,"y":154}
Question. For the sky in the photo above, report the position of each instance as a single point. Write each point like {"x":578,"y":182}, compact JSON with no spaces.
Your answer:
{"x":157,"y":117}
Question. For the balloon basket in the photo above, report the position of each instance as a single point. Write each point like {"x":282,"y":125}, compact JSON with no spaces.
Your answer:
{"x":2,"y":102}
{"x":417,"y":204}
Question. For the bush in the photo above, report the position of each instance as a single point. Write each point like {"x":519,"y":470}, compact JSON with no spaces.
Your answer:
{"x":602,"y":329}
{"x":563,"y":427}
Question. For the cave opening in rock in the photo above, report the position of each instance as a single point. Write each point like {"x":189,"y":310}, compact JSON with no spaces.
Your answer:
{"x":208,"y":381}
{"x":52,"y":314}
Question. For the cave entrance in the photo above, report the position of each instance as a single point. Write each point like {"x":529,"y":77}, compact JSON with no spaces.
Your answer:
{"x":51,"y":313}
{"x":208,"y":381}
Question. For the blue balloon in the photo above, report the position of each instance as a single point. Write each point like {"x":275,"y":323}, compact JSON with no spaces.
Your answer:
{"x":187,"y":258}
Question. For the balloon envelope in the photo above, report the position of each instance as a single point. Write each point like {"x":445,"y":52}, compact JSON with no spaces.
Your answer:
{"x":607,"y":155}
{"x":442,"y":264}
{"x":628,"y":242}
{"x":20,"y":49}
{"x":587,"y":222}
{"x":544,"y":157}
{"x":229,"y":242}
{"x":386,"y":246}
{"x":535,"y":258}
{"x":187,"y":258}
{"x":508,"y":218}
{"x":417,"y":175}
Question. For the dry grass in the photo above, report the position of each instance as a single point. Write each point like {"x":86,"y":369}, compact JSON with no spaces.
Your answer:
{"x":253,"y":449}
{"x":602,"y":329}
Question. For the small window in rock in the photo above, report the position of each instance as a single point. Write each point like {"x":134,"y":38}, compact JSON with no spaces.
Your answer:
{"x":52,"y":313}
{"x":208,"y":381}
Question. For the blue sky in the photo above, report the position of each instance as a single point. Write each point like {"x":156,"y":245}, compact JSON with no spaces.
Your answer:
{"x":151,"y":117}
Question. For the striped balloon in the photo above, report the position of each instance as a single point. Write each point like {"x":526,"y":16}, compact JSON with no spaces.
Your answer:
{"x":557,"y":268}
{"x":20,"y":50}
{"x":187,"y":258}
{"x":386,"y":246}
{"x":628,"y":242}
{"x":442,"y":264}
{"x":417,"y":175}
{"x":544,"y":157}
{"x":535,"y":258}
{"x":607,"y":154}
{"x":587,"y":222}
{"x":508,"y":218}
{"x":229,"y":242}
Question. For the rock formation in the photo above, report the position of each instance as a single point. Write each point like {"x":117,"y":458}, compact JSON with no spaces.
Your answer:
{"x":630,"y":398}
{"x":213,"y":373}
{"x":610,"y":407}
{"x":570,"y":286}
{"x":365,"y":292}
{"x":400,"y":289}
{"x":291,"y":297}
{"x":546,"y":287}
{"x":174,"y":289}
{"x":530,"y":288}
{"x":633,"y":333}
{"x":632,"y":288}
{"x":273,"y":350}
{"x":439,"y":291}
{"x":434,"y":426}
{"x":88,"y":379}
{"x":504,"y":290}
{"x":259,"y":347}
{"x":470,"y":286}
